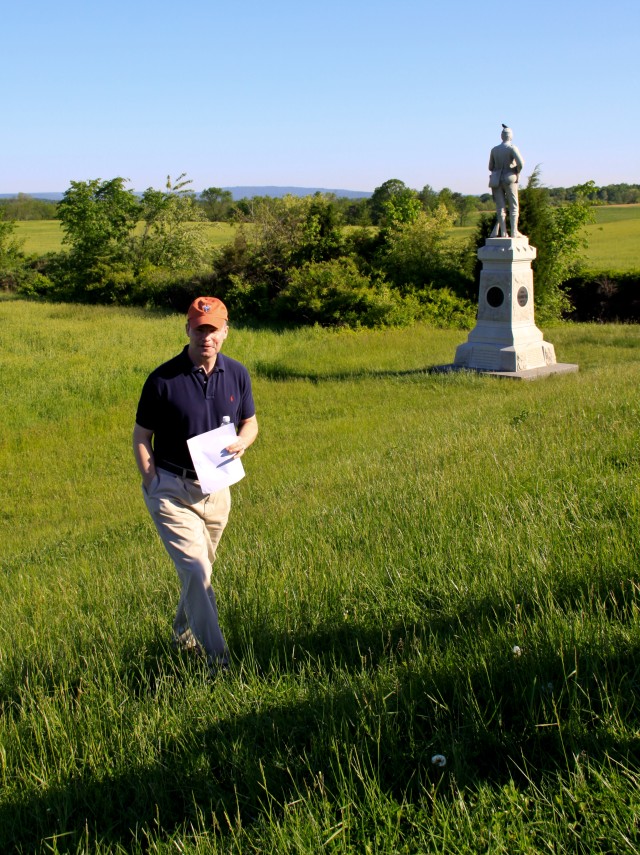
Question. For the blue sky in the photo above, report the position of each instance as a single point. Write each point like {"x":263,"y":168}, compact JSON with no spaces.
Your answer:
{"x":317,"y":93}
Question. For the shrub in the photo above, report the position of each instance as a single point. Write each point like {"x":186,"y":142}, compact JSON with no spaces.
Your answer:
{"x":440,"y":307}
{"x":248,"y":299}
{"x":173,"y":235}
{"x":284,"y":235}
{"x":611,"y":295}
{"x":12,"y":259}
{"x":34,"y":284}
{"x":171,"y":289}
{"x":418,"y":253}
{"x":48,"y":277}
{"x":558,"y":235}
{"x":335,"y":293}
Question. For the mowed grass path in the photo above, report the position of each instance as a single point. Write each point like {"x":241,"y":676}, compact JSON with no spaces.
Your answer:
{"x":614,"y":239}
{"x":416,"y":565}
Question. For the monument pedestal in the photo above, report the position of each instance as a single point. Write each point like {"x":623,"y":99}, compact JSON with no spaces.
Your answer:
{"x":505,"y":339}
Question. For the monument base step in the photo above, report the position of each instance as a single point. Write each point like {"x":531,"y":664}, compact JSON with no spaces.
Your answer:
{"x":526,"y":374}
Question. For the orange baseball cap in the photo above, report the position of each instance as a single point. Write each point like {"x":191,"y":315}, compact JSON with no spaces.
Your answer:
{"x":207,"y":310}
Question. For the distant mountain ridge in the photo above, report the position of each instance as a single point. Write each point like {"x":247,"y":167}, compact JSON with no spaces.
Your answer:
{"x":49,"y":197}
{"x":236,"y":193}
{"x":278,"y":192}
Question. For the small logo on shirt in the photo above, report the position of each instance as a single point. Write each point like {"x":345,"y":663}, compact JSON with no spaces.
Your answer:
{"x":231,"y":398}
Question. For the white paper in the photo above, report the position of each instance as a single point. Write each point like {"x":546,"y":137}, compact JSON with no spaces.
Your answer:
{"x":214,"y":466}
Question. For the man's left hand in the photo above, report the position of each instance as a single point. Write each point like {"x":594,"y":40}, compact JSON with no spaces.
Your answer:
{"x":236,"y":448}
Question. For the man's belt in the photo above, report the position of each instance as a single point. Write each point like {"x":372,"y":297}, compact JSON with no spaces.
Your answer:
{"x":191,"y":474}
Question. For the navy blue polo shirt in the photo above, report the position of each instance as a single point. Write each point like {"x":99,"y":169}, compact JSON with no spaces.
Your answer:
{"x":179,"y":401}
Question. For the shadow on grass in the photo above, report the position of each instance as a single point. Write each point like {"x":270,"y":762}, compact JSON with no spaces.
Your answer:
{"x":360,"y":722}
{"x":279,"y":372}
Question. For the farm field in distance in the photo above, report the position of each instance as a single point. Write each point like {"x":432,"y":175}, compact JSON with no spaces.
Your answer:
{"x":41,"y":236}
{"x":614,"y":238}
{"x":417,"y":566}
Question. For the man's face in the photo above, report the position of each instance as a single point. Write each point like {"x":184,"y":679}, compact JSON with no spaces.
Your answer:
{"x":205,"y":341}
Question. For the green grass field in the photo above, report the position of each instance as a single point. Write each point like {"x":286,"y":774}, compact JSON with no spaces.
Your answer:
{"x":41,"y":236}
{"x":614,"y":239}
{"x":416,"y":565}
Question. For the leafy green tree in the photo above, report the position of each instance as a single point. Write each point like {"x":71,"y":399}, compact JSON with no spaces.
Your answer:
{"x":217,"y":203}
{"x":428,"y":197}
{"x":279,"y":235}
{"x":173,"y":228}
{"x":321,"y":236}
{"x":464,"y":207}
{"x":109,"y":261}
{"x":471,"y":263}
{"x":98,"y":218}
{"x":381,"y":195}
{"x":12,"y":258}
{"x":354,"y":212}
{"x":401,"y":208}
{"x":446,"y":198}
{"x":418,"y":253}
{"x":559,"y":237}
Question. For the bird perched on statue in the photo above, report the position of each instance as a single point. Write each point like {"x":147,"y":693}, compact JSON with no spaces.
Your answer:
{"x":504,"y":126}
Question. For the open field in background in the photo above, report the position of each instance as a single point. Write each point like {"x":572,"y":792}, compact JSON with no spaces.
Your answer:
{"x":41,"y":236}
{"x":398,"y":534}
{"x":614,"y":239}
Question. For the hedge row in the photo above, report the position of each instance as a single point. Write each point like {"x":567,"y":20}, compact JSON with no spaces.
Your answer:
{"x":610,"y":295}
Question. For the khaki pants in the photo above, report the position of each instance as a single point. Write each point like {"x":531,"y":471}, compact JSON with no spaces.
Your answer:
{"x":190,"y":524}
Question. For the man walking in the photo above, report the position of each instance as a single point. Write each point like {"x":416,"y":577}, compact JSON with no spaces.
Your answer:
{"x":195,"y":392}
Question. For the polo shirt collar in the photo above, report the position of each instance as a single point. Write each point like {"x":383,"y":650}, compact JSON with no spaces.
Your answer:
{"x":192,"y":368}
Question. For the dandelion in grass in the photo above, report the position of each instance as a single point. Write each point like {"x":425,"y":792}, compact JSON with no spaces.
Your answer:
{"x":517,"y":651}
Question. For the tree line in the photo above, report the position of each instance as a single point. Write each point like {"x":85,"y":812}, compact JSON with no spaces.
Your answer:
{"x":218,"y":204}
{"x":611,"y":194}
{"x":291,"y":261}
{"x":26,"y":207}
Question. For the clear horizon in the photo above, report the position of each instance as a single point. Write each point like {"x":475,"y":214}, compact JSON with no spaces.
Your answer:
{"x":326,"y":94}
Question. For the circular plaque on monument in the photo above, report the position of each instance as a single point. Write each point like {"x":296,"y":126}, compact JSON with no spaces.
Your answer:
{"x":523,"y":296}
{"x":495,"y":297}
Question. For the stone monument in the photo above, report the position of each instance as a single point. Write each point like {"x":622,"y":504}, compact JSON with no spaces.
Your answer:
{"x":505,"y":166}
{"x":505,"y":339}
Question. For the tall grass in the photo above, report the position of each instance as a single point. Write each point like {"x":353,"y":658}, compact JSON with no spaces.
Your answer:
{"x":416,"y":564}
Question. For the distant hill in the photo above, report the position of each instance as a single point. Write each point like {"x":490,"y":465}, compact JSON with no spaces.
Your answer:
{"x":48,"y":197}
{"x":278,"y":192}
{"x":237,"y":193}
